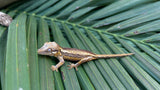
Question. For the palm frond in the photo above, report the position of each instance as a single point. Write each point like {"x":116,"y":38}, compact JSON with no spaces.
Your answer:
{"x":103,"y":27}
{"x":16,"y":64}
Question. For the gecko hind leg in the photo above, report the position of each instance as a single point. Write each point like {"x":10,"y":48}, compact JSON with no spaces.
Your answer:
{"x":80,"y":62}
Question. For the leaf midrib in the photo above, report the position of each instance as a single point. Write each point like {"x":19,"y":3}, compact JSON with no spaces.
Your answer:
{"x":87,"y":28}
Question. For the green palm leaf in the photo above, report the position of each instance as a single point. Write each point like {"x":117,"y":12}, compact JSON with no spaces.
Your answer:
{"x":103,"y":27}
{"x":16,"y":54}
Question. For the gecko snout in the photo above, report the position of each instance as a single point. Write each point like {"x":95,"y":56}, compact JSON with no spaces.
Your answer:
{"x":42,"y":52}
{"x":39,"y":51}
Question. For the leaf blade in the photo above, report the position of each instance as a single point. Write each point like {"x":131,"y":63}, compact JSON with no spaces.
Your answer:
{"x":16,"y":57}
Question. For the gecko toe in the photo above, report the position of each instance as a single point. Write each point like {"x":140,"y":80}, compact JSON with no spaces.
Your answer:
{"x":54,"y":68}
{"x":72,"y":65}
{"x":76,"y":68}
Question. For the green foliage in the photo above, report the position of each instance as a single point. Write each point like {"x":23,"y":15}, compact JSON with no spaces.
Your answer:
{"x":16,"y":64}
{"x":103,"y":27}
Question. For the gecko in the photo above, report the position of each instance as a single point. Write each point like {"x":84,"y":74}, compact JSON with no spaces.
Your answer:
{"x":72,"y":54}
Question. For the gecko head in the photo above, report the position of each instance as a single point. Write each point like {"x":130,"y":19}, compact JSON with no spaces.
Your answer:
{"x":49,"y":48}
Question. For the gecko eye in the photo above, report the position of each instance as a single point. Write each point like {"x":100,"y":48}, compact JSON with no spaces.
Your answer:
{"x":49,"y":50}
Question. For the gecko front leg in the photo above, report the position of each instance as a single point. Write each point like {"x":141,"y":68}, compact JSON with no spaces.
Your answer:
{"x":89,"y":58}
{"x":61,"y":62}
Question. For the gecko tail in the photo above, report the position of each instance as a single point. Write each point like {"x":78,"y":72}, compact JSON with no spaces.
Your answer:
{"x":112,"y":55}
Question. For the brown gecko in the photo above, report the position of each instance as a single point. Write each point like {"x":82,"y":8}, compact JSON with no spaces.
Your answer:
{"x":72,"y":54}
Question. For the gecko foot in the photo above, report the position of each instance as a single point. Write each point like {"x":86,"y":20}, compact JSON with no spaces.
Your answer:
{"x":54,"y":68}
{"x":72,"y":65}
